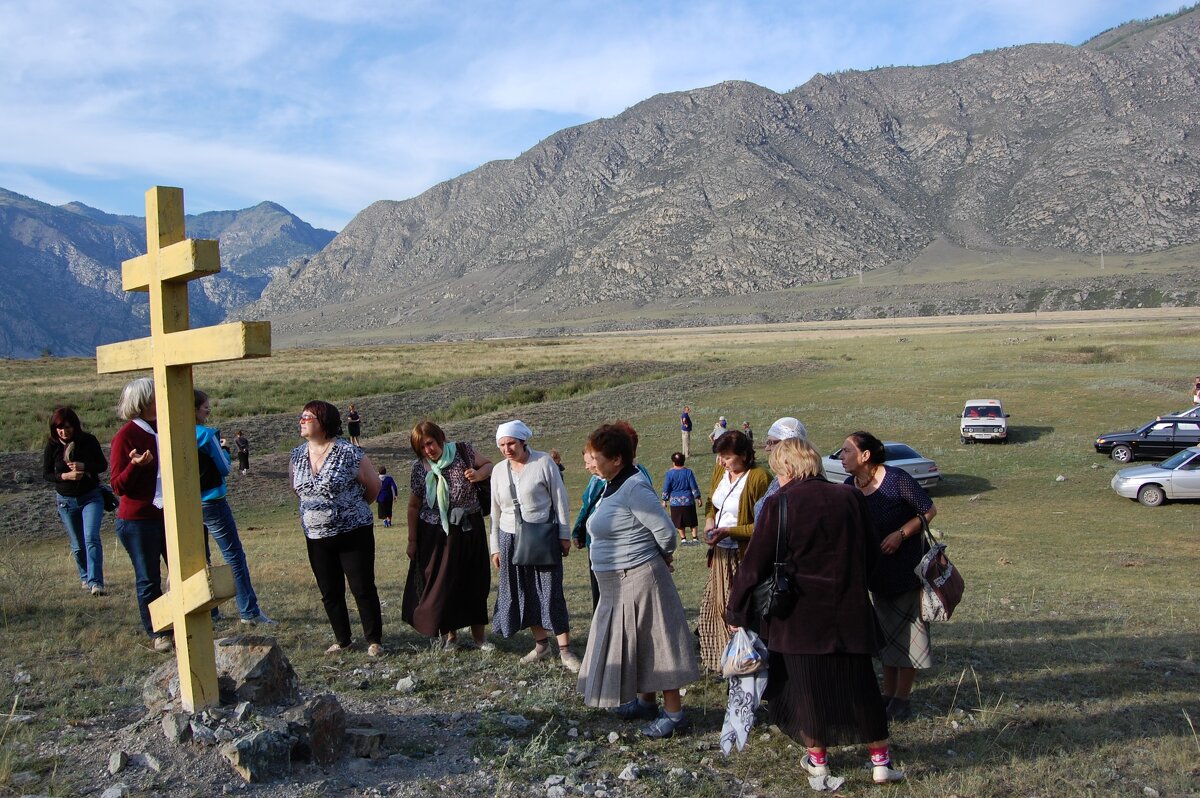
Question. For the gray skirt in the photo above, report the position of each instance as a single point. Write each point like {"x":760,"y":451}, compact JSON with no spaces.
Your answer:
{"x":639,"y":640}
{"x":905,"y":635}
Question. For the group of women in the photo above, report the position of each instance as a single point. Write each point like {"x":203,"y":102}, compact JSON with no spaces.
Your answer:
{"x":73,"y":461}
{"x":849,"y":550}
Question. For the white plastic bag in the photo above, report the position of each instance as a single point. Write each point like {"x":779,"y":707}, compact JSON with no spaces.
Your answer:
{"x":745,"y":654}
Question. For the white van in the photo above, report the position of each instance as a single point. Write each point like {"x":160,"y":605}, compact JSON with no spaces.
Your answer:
{"x":983,"y":420}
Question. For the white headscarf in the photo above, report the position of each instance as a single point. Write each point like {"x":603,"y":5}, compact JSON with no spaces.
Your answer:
{"x":513,"y":429}
{"x":787,"y":428}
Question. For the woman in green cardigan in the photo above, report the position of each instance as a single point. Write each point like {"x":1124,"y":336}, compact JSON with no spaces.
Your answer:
{"x":737,"y":483}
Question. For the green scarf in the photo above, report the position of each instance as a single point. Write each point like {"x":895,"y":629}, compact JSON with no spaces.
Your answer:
{"x":437,"y":488}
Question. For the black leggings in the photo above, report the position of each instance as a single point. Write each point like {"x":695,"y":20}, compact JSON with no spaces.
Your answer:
{"x":348,"y":557}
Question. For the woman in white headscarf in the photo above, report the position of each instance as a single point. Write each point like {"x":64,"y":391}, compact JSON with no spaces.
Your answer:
{"x":784,"y":429}
{"x":529,"y":596}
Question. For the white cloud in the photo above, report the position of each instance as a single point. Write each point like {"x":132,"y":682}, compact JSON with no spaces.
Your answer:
{"x":326,"y":106}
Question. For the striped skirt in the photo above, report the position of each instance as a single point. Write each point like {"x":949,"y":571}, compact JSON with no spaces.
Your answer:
{"x":714,"y":635}
{"x":639,"y":640}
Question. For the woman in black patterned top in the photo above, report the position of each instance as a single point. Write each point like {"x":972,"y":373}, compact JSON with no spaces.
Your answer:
{"x":895,"y":500}
{"x":336,"y":483}
{"x":449,"y":578}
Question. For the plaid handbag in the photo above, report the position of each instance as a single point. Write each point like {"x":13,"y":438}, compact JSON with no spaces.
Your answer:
{"x":941,"y":582}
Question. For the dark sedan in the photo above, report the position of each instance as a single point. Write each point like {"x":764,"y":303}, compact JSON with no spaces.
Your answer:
{"x":1155,"y":440}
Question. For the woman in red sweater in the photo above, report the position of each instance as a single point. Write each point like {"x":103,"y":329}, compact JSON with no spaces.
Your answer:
{"x":135,"y":478}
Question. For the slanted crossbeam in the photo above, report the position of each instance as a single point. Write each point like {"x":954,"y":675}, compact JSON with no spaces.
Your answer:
{"x":170,"y":262}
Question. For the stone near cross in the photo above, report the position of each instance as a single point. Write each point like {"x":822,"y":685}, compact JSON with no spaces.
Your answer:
{"x":170,"y":262}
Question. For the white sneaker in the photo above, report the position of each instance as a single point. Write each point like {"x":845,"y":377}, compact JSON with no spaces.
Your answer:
{"x":812,"y":768}
{"x":884,"y":774}
{"x":259,"y":620}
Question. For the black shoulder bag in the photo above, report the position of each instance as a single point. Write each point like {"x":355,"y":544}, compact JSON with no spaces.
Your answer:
{"x":774,"y":596}
{"x":537,"y":543}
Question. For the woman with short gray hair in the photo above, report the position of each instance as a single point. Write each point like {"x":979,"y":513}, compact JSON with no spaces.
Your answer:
{"x":136,"y":480}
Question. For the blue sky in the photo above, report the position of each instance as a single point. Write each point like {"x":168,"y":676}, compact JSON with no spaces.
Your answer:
{"x":327,"y":106}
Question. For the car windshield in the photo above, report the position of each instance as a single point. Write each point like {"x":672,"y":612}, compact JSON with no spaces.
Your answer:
{"x":1177,"y":459}
{"x":898,"y":451}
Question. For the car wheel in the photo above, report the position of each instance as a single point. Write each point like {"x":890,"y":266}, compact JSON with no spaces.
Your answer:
{"x":1151,"y":495}
{"x":1122,"y":454}
{"x":962,"y":439}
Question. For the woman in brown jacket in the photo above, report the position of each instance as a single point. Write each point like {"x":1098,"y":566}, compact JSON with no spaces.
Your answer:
{"x":737,"y":483}
{"x":821,"y":683}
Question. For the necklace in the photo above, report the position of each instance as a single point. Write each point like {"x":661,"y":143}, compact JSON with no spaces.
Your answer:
{"x":316,"y":459}
{"x":863,"y":483}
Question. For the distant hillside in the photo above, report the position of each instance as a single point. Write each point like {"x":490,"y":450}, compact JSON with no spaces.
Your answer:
{"x":736,"y":190}
{"x":60,"y":267}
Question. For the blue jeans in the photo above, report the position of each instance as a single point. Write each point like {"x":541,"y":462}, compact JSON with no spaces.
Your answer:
{"x":81,"y":515}
{"x":218,"y":522}
{"x":146,"y":542}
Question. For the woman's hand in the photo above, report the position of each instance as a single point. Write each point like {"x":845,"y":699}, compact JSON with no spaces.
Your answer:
{"x":496,"y":561}
{"x":670,"y":561}
{"x":891,"y":544}
{"x":715,"y":535}
{"x":579,"y":543}
{"x":145,"y":458}
{"x":566,"y":546}
{"x":469,"y":473}
{"x":733,"y":629}
{"x":411,"y":551}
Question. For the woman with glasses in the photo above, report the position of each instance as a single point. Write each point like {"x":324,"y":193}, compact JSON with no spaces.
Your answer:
{"x":336,"y":484}
{"x":72,"y":461}
{"x":784,"y":429}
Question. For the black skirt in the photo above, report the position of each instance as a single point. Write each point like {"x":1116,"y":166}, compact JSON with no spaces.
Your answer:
{"x":684,"y":517}
{"x":830,"y":699}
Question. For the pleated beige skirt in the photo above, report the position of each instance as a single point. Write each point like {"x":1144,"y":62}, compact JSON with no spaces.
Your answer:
{"x":639,"y":640}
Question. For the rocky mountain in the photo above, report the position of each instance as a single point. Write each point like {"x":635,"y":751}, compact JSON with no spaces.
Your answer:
{"x":736,"y":189}
{"x":61,"y":270}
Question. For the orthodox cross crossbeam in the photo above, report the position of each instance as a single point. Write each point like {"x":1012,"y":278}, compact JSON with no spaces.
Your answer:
{"x":170,"y":262}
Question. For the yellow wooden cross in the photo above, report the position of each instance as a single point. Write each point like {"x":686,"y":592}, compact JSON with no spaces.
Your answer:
{"x":171,"y":350}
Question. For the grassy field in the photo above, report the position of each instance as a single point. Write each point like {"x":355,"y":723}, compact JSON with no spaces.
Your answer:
{"x":1071,"y":669}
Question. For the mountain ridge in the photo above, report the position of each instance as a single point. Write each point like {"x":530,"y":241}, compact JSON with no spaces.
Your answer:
{"x":735,"y":189}
{"x":61,"y":269}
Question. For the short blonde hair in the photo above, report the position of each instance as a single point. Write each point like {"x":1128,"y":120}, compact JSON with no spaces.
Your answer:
{"x":796,"y":458}
{"x":135,"y":397}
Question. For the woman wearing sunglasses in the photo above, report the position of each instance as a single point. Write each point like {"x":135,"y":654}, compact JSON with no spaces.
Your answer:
{"x":336,"y":483}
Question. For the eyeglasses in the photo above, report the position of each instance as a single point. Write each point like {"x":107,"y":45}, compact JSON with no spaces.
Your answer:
{"x":307,"y":417}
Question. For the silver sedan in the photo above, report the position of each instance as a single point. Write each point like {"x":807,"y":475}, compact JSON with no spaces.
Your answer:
{"x":899,"y":455}
{"x":1177,"y":477}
